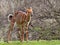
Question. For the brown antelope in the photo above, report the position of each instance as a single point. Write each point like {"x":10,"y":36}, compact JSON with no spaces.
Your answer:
{"x":22,"y":20}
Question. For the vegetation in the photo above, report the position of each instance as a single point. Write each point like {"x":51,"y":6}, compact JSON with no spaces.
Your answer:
{"x":41,"y":42}
{"x":45,"y":21}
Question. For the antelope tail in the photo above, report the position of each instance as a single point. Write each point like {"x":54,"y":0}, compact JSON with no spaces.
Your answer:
{"x":10,"y":17}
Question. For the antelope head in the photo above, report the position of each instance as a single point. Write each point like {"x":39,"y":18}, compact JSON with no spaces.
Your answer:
{"x":29,"y":10}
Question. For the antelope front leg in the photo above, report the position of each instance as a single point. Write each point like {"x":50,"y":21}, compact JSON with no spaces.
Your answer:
{"x":26,"y":32}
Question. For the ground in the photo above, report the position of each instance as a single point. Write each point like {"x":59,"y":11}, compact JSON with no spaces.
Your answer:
{"x":41,"y":42}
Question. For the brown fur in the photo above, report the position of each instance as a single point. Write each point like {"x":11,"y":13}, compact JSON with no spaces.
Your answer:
{"x":22,"y":20}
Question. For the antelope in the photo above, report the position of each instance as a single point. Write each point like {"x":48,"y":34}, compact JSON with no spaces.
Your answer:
{"x":22,"y":20}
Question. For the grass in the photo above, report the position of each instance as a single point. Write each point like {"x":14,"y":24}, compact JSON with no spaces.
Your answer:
{"x":41,"y":42}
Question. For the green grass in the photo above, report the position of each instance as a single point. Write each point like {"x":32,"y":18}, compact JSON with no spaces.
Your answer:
{"x":41,"y":42}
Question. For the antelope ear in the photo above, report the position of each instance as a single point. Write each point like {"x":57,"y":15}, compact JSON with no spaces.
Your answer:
{"x":10,"y":17}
